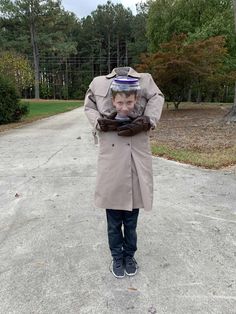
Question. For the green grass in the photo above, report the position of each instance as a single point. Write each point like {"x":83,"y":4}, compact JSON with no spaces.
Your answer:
{"x":215,"y":159}
{"x":42,"y":109}
{"x":50,"y":107}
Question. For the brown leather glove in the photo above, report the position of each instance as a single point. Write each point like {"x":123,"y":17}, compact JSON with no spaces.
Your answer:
{"x":138,"y":125}
{"x":109,"y":123}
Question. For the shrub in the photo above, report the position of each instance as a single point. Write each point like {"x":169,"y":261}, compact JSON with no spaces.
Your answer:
{"x":10,"y":108}
{"x":45,"y":91}
{"x":18,"y":69}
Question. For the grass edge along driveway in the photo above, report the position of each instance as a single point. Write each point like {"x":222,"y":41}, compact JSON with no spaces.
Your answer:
{"x":217,"y":159}
{"x":40,"y":109}
{"x":213,"y":160}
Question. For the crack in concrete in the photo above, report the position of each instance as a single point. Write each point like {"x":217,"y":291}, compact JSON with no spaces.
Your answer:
{"x":216,"y":218}
{"x":53,"y":155}
{"x":221,"y":297}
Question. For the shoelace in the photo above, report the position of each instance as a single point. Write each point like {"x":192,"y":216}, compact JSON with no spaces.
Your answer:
{"x":130,"y":260}
{"x":119,"y":263}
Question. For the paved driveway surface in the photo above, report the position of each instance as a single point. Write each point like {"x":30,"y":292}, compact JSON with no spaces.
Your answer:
{"x":54,"y":255}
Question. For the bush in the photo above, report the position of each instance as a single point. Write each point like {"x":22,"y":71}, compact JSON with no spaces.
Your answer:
{"x":10,"y":108}
{"x":45,"y":91}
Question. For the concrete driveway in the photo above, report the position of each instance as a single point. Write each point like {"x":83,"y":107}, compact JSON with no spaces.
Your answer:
{"x":54,"y":255}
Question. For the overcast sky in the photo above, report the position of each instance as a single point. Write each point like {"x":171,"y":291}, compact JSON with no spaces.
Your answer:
{"x":84,"y":8}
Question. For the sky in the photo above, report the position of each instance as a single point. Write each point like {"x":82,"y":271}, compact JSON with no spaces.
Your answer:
{"x":84,"y":8}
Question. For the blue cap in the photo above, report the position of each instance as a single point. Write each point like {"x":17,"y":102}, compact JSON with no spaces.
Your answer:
{"x":125,"y":83}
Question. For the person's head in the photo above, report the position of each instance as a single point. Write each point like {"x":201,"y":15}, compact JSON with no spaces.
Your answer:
{"x":124,"y":94}
{"x":124,"y":102}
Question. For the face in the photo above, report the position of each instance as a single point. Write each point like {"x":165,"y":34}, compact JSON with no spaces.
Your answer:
{"x":124,"y":104}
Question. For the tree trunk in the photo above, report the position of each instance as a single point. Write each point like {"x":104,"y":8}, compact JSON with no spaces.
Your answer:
{"x":54,"y":86}
{"x":109,"y":53}
{"x":100,"y":57}
{"x":226,"y":93}
{"x":35,"y":53}
{"x":117,"y":52}
{"x":126,"y":53}
{"x":176,"y":104}
{"x":92,"y":66}
{"x":190,"y":94}
{"x":67,"y":80}
{"x":199,"y":96}
{"x":231,"y":116}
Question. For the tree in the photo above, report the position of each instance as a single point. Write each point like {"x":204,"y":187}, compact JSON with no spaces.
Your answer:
{"x":122,"y":27}
{"x":36,"y":27}
{"x":179,"y":66}
{"x":72,"y":51}
{"x":112,"y":28}
{"x":104,"y":38}
{"x":103,"y":21}
{"x":200,"y":19}
{"x":231,"y":116}
{"x":138,"y":39}
{"x":17,"y":68}
{"x":159,"y":23}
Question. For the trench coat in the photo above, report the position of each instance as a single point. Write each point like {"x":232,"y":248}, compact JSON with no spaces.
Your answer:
{"x":124,"y":170}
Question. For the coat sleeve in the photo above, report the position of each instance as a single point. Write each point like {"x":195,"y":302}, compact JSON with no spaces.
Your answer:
{"x":90,"y":109}
{"x":155,"y":101}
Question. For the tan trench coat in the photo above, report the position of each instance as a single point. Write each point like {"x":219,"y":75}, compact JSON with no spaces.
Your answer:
{"x":124,"y":174}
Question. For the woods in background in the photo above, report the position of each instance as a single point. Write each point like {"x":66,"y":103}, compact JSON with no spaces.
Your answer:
{"x":188,"y":46}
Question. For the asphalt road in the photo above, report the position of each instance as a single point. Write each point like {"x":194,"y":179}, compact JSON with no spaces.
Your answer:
{"x":54,"y":255}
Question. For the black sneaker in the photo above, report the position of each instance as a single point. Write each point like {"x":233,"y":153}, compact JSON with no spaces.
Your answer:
{"x":131,"y":266}
{"x":117,"y":268}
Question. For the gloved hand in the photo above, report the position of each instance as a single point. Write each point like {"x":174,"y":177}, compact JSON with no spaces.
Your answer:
{"x":138,"y":125}
{"x":109,"y":123}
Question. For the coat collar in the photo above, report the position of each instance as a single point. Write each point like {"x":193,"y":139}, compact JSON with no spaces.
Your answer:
{"x":131,"y":72}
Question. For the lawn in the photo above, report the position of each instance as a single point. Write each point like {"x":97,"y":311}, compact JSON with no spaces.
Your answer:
{"x":50,"y":107}
{"x":41,"y":109}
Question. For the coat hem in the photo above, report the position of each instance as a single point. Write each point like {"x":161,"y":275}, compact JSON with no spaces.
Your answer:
{"x":118,"y":207}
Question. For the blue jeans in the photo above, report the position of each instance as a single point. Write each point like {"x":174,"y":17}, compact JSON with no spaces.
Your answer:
{"x":121,"y":244}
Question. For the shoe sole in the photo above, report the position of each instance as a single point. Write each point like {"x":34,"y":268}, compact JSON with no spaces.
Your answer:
{"x":118,"y":277}
{"x":133,"y":274}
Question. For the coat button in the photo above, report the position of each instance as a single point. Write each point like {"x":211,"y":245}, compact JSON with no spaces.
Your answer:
{"x":113,"y":145}
{"x":128,"y":144}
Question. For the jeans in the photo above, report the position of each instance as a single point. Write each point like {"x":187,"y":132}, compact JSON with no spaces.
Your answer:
{"x":121,"y":244}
